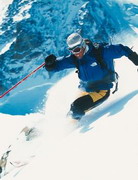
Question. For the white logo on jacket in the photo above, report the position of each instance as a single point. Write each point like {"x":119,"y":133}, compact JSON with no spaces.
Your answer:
{"x":93,"y":64}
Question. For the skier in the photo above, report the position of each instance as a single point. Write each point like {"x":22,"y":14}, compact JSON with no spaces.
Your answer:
{"x":95,"y":68}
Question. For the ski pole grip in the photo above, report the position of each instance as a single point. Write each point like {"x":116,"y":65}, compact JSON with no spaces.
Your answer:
{"x":50,"y":62}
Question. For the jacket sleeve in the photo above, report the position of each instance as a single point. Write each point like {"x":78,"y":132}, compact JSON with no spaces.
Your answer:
{"x":64,"y":63}
{"x":117,"y":51}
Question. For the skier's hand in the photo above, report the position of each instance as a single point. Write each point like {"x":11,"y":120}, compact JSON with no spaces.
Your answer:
{"x":50,"y":62}
{"x":134,"y":58}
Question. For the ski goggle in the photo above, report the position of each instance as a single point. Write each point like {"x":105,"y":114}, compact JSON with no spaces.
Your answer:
{"x":77,"y":48}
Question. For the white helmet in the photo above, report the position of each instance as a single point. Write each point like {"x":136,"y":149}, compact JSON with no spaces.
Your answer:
{"x":74,"y":40}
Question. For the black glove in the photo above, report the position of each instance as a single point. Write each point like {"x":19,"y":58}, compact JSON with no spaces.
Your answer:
{"x":0,"y":169}
{"x":50,"y":62}
{"x":134,"y":57}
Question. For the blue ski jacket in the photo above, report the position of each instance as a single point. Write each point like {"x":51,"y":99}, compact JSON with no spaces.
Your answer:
{"x":92,"y":76}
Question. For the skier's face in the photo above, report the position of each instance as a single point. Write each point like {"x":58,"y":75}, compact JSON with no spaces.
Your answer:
{"x":78,"y":52}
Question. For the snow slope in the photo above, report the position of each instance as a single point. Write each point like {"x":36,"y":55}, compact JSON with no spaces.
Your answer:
{"x":108,"y":150}
{"x":103,"y":146}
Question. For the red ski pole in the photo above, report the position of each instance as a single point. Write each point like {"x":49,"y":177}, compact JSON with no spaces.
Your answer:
{"x":22,"y":80}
